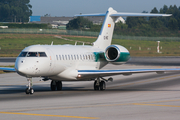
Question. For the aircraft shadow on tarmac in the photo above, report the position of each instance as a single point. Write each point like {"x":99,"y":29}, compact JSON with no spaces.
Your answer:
{"x":138,"y":83}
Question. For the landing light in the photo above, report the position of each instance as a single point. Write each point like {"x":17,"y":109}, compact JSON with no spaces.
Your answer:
{"x":79,"y":76}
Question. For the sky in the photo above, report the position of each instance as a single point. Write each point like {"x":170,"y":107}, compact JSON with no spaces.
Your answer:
{"x":71,"y":7}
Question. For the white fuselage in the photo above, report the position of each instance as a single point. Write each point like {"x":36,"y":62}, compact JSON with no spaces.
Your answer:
{"x":60,"y":63}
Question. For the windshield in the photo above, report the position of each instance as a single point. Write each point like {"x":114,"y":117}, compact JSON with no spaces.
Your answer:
{"x":22,"y":54}
{"x":32,"y":54}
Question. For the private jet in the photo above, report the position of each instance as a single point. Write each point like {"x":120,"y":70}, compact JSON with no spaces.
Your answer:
{"x":79,"y":62}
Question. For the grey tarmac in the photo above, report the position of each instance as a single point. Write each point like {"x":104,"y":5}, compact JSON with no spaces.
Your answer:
{"x":148,"y":96}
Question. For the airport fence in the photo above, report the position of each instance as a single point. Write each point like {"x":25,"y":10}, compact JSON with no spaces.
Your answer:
{"x":83,"y":33}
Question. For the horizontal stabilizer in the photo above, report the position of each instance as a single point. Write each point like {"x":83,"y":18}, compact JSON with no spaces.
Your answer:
{"x":138,"y":15}
{"x":123,"y":14}
{"x":96,"y":14}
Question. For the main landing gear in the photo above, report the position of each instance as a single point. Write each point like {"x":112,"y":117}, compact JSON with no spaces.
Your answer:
{"x":29,"y":89}
{"x":56,"y":85}
{"x":100,"y":84}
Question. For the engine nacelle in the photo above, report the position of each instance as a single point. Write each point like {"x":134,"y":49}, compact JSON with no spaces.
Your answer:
{"x":117,"y":54}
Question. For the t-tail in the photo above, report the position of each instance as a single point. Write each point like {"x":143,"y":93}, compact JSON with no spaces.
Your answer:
{"x":105,"y":36}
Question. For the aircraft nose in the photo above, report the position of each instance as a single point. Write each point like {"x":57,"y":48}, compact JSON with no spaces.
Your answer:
{"x":20,"y":67}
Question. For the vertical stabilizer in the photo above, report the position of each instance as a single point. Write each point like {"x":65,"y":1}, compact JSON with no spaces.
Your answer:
{"x":105,"y":36}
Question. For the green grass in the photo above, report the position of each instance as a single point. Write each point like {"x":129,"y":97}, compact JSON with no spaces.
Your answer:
{"x":12,"y":44}
{"x":148,"y":48}
{"x":1,"y":72}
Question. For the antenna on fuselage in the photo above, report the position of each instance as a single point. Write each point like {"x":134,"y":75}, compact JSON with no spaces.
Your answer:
{"x":75,"y":43}
{"x":52,"y":43}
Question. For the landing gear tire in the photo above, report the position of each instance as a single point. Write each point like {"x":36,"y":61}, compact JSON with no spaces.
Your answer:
{"x":59,"y":85}
{"x":56,"y":85}
{"x":29,"y":91}
{"x":96,"y":87}
{"x":53,"y":85}
{"x":102,"y":85}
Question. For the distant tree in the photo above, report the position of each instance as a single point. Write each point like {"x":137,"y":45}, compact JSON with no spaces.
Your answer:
{"x":179,"y":23}
{"x":15,"y":10}
{"x":155,"y":23}
{"x":133,"y":22}
{"x":173,"y":24}
{"x":164,"y":9}
{"x":79,"y":23}
{"x":154,"y":10}
{"x":145,"y":11}
{"x":121,"y":25}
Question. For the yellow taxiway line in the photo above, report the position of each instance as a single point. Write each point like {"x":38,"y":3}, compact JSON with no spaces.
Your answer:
{"x":156,"y":105}
{"x":48,"y":115}
{"x":17,"y":112}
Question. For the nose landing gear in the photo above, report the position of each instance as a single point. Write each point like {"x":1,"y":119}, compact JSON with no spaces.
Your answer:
{"x":29,"y":89}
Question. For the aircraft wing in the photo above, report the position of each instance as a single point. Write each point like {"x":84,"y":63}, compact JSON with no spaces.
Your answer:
{"x":104,"y":73}
{"x":6,"y":69}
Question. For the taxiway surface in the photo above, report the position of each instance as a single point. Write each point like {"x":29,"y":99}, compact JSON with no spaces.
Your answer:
{"x":148,"y":96}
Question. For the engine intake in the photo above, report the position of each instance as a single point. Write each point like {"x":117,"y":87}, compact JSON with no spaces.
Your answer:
{"x":117,"y":54}
{"x":112,"y":53}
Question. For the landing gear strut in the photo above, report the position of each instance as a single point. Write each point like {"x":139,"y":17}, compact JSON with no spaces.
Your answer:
{"x":56,"y":85}
{"x":29,"y":89}
{"x":99,"y":84}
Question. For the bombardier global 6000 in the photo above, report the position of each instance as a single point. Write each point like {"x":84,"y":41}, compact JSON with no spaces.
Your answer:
{"x":79,"y":62}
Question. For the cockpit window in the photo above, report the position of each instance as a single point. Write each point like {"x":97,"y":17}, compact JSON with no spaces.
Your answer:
{"x":42,"y":54}
{"x":22,"y":54}
{"x":32,"y":54}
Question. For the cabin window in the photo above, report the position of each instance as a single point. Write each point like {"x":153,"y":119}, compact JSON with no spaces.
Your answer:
{"x":80,"y":57}
{"x":75,"y":57}
{"x":63,"y":57}
{"x":72,"y":57}
{"x":59,"y":57}
{"x":66,"y":57}
{"x":69,"y":57}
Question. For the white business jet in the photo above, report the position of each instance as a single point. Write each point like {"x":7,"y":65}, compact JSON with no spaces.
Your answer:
{"x":79,"y":62}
